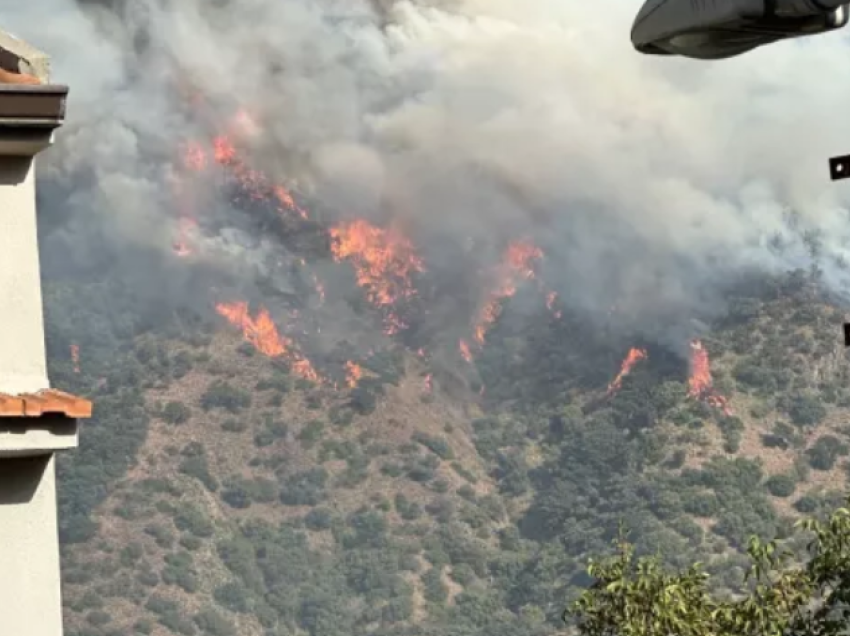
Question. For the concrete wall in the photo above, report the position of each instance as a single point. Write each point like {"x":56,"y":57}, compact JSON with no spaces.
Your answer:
{"x":30,"y":587}
{"x":30,"y":595}
{"x":23,"y":366}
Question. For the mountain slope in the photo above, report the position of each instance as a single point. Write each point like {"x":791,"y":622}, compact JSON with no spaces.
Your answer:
{"x":257,"y":502}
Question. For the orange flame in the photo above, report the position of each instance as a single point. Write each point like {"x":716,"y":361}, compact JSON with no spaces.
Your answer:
{"x":194,"y":157}
{"x":75,"y":357}
{"x":465,"y":351}
{"x":194,"y":160}
{"x":634,"y":356}
{"x":256,"y":185}
{"x":700,"y":383}
{"x":353,"y":373}
{"x":384,"y":262}
{"x":429,"y":383}
{"x":517,"y":265}
{"x":262,"y":333}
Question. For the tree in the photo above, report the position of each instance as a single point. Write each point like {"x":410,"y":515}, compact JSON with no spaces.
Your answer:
{"x":637,"y":597}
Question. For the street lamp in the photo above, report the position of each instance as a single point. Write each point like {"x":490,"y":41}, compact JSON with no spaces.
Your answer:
{"x":717,"y":29}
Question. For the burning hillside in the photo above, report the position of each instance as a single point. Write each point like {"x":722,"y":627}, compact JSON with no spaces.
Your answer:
{"x":388,"y":267}
{"x":384,"y":261}
{"x":700,"y":383}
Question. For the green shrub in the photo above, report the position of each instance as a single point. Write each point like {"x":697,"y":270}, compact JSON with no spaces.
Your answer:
{"x":196,"y":466}
{"x":131,"y":553}
{"x":318,"y":519}
{"x":213,"y":623}
{"x":437,"y":445}
{"x":98,"y":618}
{"x":311,"y":433}
{"x":163,"y":536}
{"x":232,"y":596}
{"x":306,"y":488}
{"x":407,"y":510}
{"x":221,"y":394}
{"x":781,"y":485}
{"x":176,"y":413}
{"x":181,"y":364}
{"x":190,"y":542}
{"x":434,"y":590}
{"x":805,"y":410}
{"x":160,"y":605}
{"x":192,"y":520}
{"x":806,"y":504}
{"x":825,"y":451}
{"x":232,"y":425}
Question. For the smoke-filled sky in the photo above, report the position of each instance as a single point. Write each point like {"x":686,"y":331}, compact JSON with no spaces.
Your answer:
{"x":647,"y":180}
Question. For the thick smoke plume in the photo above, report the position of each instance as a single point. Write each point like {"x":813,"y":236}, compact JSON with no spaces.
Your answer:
{"x":646,"y":181}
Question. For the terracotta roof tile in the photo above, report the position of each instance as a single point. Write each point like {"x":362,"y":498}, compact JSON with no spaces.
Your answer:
{"x":8,"y":77}
{"x":47,"y":401}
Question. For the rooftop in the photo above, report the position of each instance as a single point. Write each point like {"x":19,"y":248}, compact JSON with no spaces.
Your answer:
{"x":30,"y":106}
{"x":46,"y":402}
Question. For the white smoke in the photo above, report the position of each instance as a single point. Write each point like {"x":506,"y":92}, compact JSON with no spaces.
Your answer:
{"x":645,"y":177}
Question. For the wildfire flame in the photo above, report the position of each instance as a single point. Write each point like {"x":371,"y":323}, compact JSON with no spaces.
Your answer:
{"x":262,"y":333}
{"x":75,"y":357}
{"x":517,"y":265}
{"x":384,"y":262}
{"x":429,"y":383}
{"x":465,"y":351}
{"x":700,"y":383}
{"x":353,"y":373}
{"x":253,"y":183}
{"x":632,"y":358}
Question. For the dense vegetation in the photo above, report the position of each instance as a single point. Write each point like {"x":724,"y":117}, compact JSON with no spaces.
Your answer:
{"x":259,"y":503}
{"x":786,"y":592}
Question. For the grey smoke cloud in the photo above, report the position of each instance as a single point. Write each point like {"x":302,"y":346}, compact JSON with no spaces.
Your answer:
{"x":646,"y":179}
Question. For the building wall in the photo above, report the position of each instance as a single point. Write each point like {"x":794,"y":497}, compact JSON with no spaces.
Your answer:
{"x":30,"y":596}
{"x":23,"y":366}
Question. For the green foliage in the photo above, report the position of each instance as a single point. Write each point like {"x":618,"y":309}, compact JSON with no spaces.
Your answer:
{"x":804,"y":409}
{"x":731,"y":428}
{"x":637,"y":596}
{"x":176,"y":412}
{"x":191,"y":519}
{"x":213,"y":623}
{"x":825,"y":451}
{"x":233,"y":425}
{"x":306,"y":488}
{"x":516,"y":548}
{"x":239,"y":492}
{"x":178,"y":571}
{"x":194,"y":464}
{"x":233,"y":596}
{"x":437,"y":445}
{"x":311,"y":433}
{"x":221,"y":394}
{"x":781,"y":485}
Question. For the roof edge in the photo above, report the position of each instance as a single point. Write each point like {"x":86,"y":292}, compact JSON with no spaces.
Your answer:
{"x":45,"y":402}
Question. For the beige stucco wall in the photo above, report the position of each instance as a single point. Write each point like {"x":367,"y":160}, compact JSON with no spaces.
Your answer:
{"x":30,"y":594}
{"x":23,"y":366}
